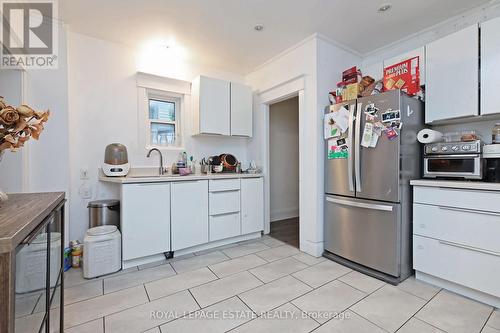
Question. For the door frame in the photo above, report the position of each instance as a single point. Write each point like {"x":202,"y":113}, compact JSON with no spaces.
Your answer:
{"x":292,"y":88}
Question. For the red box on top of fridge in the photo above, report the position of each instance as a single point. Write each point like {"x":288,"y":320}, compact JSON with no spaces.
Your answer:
{"x":404,"y":75}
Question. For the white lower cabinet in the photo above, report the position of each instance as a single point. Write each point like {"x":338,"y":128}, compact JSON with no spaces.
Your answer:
{"x":145,"y":208}
{"x":225,"y":226}
{"x":252,"y":205}
{"x":189,"y":214}
{"x":455,"y":240}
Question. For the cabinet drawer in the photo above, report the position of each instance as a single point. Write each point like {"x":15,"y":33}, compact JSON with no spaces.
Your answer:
{"x":224,"y":226}
{"x":473,"y":228}
{"x":460,"y":198}
{"x":224,"y":185}
{"x":472,"y":268}
{"x":224,"y":202}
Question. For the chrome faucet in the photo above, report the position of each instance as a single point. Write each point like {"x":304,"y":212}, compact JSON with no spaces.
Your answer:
{"x":161,"y":169}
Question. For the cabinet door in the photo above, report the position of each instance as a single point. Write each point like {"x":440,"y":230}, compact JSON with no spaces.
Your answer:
{"x":452,"y":76}
{"x":252,"y":205}
{"x":189,"y":214}
{"x":145,"y":219}
{"x":214,"y":106}
{"x":241,"y":110}
{"x":490,"y":66}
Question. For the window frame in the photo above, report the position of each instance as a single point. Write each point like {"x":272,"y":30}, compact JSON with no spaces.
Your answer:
{"x":164,"y":96}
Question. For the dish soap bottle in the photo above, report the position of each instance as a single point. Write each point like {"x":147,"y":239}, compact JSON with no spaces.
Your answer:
{"x":495,"y":134}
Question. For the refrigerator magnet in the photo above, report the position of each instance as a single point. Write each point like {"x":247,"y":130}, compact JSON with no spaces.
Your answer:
{"x":367,"y":135}
{"x":390,"y":116}
{"x":371,"y":109}
{"x":391,"y":133}
{"x":378,"y":128}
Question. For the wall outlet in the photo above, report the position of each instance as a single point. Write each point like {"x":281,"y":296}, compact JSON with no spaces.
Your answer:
{"x":85,"y":191}
{"x":84,"y":173}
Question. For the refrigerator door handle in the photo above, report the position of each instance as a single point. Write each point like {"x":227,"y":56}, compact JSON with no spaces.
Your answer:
{"x":360,"y":204}
{"x":357,"y":149}
{"x":350,"y":138}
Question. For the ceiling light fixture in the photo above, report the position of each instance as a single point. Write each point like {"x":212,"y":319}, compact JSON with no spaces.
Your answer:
{"x":384,"y":8}
{"x":259,"y":27}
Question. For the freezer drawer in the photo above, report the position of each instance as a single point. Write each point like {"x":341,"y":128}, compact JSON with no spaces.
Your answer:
{"x":365,"y":232}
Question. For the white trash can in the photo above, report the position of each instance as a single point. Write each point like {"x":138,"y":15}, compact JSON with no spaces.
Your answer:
{"x":101,"y":251}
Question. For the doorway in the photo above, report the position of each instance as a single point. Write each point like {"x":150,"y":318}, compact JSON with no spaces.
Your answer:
{"x":284,"y":170}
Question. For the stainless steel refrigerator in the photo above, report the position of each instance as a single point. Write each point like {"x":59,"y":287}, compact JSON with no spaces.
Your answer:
{"x":368,"y":196}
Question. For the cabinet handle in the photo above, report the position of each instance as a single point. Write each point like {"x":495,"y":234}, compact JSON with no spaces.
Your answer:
{"x":227,"y":213}
{"x":211,"y":133}
{"x":470,"y":248}
{"x":469,"y":211}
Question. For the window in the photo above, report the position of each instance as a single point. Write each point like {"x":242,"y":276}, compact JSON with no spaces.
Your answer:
{"x":163,"y":120}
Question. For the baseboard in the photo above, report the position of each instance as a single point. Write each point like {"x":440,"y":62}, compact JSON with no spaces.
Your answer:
{"x":459,"y":289}
{"x":284,"y":214}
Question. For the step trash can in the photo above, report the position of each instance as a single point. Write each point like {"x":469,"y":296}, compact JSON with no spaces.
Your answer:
{"x":104,"y":212}
{"x":101,"y":251}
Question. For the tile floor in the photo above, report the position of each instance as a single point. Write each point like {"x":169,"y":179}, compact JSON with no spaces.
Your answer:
{"x":263,"y":285}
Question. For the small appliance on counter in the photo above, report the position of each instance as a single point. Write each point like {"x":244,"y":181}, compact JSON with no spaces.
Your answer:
{"x":491,"y":154}
{"x":454,"y":160}
{"x":115,"y":160}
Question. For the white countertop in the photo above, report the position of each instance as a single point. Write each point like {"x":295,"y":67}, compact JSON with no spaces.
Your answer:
{"x":148,"y":177}
{"x":471,"y":185}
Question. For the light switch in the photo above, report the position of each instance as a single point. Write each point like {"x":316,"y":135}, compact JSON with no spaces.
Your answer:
{"x":84,"y":173}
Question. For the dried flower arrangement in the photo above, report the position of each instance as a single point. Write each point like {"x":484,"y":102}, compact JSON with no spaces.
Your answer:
{"x":18,"y":125}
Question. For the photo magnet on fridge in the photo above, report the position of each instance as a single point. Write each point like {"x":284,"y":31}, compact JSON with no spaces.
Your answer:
{"x":371,"y":109}
{"x":390,"y":116}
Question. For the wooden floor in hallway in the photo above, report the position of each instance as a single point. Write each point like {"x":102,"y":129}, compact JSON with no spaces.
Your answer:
{"x":286,"y":231}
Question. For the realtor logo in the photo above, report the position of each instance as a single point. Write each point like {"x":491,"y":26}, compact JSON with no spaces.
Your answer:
{"x":29,"y":34}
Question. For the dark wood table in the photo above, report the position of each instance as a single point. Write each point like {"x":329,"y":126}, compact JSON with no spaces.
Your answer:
{"x":22,"y":215}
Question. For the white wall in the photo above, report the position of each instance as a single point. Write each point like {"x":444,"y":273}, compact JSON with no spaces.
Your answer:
{"x":284,"y":159}
{"x":103,"y":109}
{"x":320,"y":62}
{"x":12,"y":163}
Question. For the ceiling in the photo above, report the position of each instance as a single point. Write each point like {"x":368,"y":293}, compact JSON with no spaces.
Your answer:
{"x":220,"y":33}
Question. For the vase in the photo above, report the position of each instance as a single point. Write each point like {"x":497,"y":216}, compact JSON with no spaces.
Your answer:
{"x":3,"y":195}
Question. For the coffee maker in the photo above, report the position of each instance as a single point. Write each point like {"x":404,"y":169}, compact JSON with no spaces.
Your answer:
{"x":491,"y":154}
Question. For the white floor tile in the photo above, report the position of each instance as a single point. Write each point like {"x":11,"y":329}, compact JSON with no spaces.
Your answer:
{"x":277,"y":269}
{"x":273,"y":294}
{"x":362,"y":282}
{"x":137,"y":278}
{"x":415,"y":325}
{"x":271,"y":242}
{"x":196,"y":262}
{"x":419,"y":288}
{"x":308,"y":259}
{"x":494,"y":320}
{"x":488,"y":329}
{"x":388,"y":307}
{"x":81,"y":312}
{"x":179,"y":282}
{"x":277,"y":253}
{"x":152,"y":314}
{"x":349,"y":322}
{"x":219,"y":290}
{"x":94,"y":326}
{"x":237,"y":265}
{"x":321,"y":273}
{"x":220,"y":317}
{"x":454,"y":313}
{"x":83,"y":291}
{"x":287,"y":318}
{"x":74,"y":276}
{"x":328,"y":301}
{"x":244,"y":249}
{"x":25,"y":304}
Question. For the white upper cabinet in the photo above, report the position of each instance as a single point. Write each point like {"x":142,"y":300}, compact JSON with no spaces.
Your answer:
{"x":452,"y":76}
{"x":490,"y":66}
{"x":211,"y":105}
{"x":241,"y":110}
{"x":221,"y":107}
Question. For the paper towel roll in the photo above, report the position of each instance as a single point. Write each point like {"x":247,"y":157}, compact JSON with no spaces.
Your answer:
{"x":429,"y":136}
